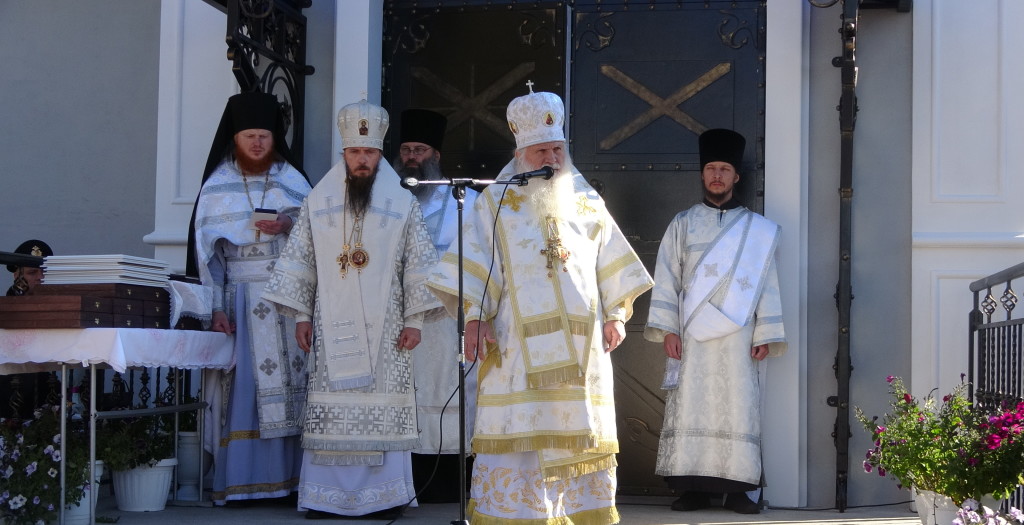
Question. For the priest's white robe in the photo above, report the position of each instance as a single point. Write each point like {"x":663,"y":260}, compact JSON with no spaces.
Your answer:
{"x":435,"y":361}
{"x":261,"y":400}
{"x":360,"y":423}
{"x":712,"y":425}
{"x":545,"y":407}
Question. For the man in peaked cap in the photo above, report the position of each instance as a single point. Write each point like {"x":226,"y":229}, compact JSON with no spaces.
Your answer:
{"x":28,"y":275}
{"x":353,"y":272}
{"x":231,"y":250}
{"x":716,"y":310}
{"x":549,"y":283}
{"x":435,"y":368}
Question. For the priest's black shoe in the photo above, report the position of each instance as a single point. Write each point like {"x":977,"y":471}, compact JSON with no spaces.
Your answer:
{"x":739,"y":502}
{"x":692,"y":501}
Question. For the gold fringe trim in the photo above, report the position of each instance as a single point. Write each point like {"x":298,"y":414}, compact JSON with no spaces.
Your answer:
{"x":512,"y":445}
{"x":578,"y":325}
{"x":578,"y":466}
{"x":561,"y":374}
{"x":602,"y":516}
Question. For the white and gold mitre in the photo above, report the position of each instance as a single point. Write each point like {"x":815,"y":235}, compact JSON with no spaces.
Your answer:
{"x":536,"y":118}
{"x":362,"y":125}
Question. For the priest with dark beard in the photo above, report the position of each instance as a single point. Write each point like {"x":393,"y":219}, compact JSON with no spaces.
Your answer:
{"x":435,"y":370}
{"x":353,"y":273}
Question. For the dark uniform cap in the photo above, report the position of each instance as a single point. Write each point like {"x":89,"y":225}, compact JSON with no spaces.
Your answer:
{"x":32,"y":247}
{"x":721,"y":145}
{"x":423,"y":125}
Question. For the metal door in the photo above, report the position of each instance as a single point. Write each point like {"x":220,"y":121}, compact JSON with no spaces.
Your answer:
{"x":644,"y":79}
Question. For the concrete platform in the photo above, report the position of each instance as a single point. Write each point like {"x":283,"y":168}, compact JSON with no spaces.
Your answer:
{"x":634,"y":511}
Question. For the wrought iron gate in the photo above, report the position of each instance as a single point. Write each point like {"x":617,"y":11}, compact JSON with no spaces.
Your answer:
{"x":640,"y":82}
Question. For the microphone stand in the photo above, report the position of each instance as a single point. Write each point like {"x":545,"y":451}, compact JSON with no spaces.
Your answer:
{"x":459,"y":193}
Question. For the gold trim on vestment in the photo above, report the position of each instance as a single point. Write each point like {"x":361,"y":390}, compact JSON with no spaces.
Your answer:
{"x":239,"y":435}
{"x":532,"y":441}
{"x":601,"y":516}
{"x":254,"y":488}
{"x":547,"y":395}
{"x":576,"y":466}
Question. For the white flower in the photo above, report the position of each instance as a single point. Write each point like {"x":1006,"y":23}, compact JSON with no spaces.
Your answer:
{"x":17,"y":502}
{"x":52,"y":472}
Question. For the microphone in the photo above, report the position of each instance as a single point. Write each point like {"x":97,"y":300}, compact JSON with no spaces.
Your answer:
{"x":546,"y":172}
{"x":409,"y":182}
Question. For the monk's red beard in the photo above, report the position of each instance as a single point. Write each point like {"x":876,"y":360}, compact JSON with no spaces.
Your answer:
{"x":249,"y":165}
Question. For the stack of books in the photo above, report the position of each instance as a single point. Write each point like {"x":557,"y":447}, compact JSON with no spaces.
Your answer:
{"x":83,"y":291}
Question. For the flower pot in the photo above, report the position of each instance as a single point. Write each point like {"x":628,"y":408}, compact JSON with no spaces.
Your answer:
{"x":144,"y":489}
{"x":935,"y":509}
{"x":78,"y":513}
{"x":189,"y":472}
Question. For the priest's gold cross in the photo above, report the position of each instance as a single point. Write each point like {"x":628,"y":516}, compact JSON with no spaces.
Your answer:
{"x":343,"y":262}
{"x":554,"y":249}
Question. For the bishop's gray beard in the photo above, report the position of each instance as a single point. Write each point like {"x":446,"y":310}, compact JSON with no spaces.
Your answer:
{"x":555,"y":197}
{"x":430,"y":169}
{"x":358,"y":191}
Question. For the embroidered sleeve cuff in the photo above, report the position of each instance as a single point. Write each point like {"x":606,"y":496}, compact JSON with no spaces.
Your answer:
{"x":414,"y":321}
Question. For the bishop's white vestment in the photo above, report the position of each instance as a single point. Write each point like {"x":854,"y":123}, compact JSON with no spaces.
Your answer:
{"x":545,"y":437}
{"x":715,"y":284}
{"x":360,"y":423}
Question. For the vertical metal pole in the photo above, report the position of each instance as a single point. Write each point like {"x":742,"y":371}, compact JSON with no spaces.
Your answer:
{"x":844,"y":290}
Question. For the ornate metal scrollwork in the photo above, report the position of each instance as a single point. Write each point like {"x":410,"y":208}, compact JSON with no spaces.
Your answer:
{"x":535,"y":31}
{"x":267,"y":47}
{"x":598,"y":34}
{"x":734,"y":38}
{"x":413,"y":38}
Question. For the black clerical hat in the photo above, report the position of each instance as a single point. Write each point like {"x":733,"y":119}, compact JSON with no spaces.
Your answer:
{"x":721,"y":145}
{"x":423,"y":125}
{"x":33,"y":247}
{"x":252,"y":110}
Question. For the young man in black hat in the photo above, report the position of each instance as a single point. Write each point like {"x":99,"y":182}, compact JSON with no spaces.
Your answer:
{"x":250,"y":198}
{"x":716,"y":310}
{"x":28,"y":275}
{"x":435,"y":368}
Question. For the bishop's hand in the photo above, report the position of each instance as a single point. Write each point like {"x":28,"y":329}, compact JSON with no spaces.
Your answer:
{"x":478,"y":334}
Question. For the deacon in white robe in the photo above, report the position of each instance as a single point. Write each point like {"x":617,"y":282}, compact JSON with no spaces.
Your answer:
{"x":353,"y":275}
{"x":716,"y":309}
{"x":549,"y":282}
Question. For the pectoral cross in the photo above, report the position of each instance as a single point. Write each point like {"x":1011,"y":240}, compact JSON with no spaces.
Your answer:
{"x":554,"y":249}
{"x":343,"y":262}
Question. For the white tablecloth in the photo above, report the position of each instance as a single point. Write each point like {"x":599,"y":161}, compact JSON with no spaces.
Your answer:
{"x":34,"y":350}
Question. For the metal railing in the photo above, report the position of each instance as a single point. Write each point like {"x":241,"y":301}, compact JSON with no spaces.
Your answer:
{"x":996,"y":347}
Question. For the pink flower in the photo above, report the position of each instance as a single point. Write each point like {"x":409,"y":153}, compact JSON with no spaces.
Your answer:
{"x":907,"y":398}
{"x":888,"y":379}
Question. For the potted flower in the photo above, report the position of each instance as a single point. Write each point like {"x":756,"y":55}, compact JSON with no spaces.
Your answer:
{"x":946,"y":447}
{"x":140,"y":453}
{"x":30,"y":462}
{"x":972,"y":513}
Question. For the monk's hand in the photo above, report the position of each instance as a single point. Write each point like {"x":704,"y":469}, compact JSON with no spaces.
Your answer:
{"x":304,"y":335}
{"x":759,"y":352}
{"x":673,"y":346}
{"x":478,"y":334}
{"x":409,"y":338}
{"x":614,"y":333}
{"x":221,"y":324}
{"x":283,"y":224}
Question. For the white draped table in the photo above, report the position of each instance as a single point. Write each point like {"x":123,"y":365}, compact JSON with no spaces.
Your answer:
{"x":39,"y":350}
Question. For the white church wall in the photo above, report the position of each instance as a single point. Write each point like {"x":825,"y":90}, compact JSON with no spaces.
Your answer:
{"x":967,"y":220}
